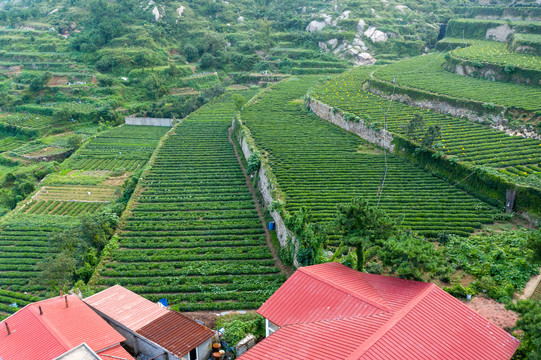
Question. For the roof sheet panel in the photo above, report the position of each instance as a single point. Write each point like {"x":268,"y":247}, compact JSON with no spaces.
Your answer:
{"x":304,"y":298}
{"x":176,"y":333}
{"x":126,"y":307}
{"x":58,"y":329}
{"x":318,"y":309}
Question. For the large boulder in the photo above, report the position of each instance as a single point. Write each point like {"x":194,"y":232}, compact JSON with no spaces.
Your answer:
{"x":401,"y":8}
{"x":327,"y":19}
{"x":315,"y":26}
{"x":500,"y":33}
{"x":332,"y":43}
{"x":360,"y":26}
{"x":180,"y":10}
{"x":359,"y":43}
{"x":156,"y":13}
{"x":364,"y":59}
{"x":343,"y":16}
{"x":375,"y":35}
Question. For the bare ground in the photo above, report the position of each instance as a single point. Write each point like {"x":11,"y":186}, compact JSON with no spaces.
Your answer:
{"x":493,"y":311}
{"x":209,"y":317}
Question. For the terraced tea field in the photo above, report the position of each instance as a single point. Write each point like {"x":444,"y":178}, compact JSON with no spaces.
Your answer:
{"x":519,"y":158}
{"x":319,"y":166}
{"x":9,"y":298}
{"x":67,"y":195}
{"x":123,"y":148}
{"x":68,"y":208}
{"x":24,"y":241}
{"x":194,"y":236}
{"x":495,"y":52}
{"x":426,"y":73}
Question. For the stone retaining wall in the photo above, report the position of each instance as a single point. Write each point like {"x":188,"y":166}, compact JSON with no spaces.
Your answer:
{"x":443,"y":107}
{"x":265,"y":187}
{"x":382,"y":138}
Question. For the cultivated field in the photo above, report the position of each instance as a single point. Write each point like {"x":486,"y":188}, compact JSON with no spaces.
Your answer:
{"x":194,"y":236}
{"x":319,"y":166}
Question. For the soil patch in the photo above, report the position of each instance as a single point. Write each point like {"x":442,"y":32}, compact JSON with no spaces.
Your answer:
{"x":58,"y":81}
{"x":209,"y":317}
{"x":237,"y":87}
{"x":493,"y":311}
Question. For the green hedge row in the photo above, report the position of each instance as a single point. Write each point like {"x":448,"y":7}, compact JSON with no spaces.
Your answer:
{"x":526,"y":43}
{"x":417,"y":94}
{"x":507,"y":73}
{"x":477,"y":28}
{"x":482,"y":182}
{"x":524,"y":12}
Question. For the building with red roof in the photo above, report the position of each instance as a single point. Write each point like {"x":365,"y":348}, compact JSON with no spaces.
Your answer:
{"x":150,"y":329}
{"x":47,"y":329}
{"x":330,"y":311}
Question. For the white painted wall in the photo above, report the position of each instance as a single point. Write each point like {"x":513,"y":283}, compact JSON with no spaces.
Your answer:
{"x":148,"y":121}
{"x":270,"y":327}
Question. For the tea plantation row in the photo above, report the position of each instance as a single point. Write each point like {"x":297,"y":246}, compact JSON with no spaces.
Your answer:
{"x":469,"y":141}
{"x":194,"y":236}
{"x":319,"y":166}
{"x":25,"y":233}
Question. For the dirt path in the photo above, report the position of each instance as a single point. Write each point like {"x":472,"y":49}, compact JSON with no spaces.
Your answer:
{"x":531,"y":286}
{"x":284,"y":269}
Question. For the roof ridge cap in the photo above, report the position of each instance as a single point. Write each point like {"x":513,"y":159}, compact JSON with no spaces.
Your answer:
{"x":341,"y":288}
{"x":339,"y":319}
{"x":399,"y":315}
{"x":51,"y":329}
{"x":88,"y":297}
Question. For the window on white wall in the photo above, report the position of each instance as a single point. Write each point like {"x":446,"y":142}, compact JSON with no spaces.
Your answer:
{"x":270,"y":327}
{"x":193,"y":355}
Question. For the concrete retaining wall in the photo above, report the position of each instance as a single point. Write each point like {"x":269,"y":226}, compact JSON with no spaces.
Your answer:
{"x":382,"y":138}
{"x":148,"y":121}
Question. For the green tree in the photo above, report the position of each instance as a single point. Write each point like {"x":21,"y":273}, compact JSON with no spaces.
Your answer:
{"x":416,"y":123}
{"x":239,"y":101}
{"x":432,"y":133}
{"x":254,"y":162}
{"x":310,"y":236}
{"x":213,"y":43}
{"x":190,"y":52}
{"x":74,"y":141}
{"x":529,"y":327}
{"x":207,"y":61}
{"x":39,"y":83}
{"x":57,"y":271}
{"x":265,"y":31}
{"x":362,"y":226}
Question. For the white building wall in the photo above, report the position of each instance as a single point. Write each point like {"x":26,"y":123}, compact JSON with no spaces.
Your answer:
{"x":270,"y":327}
{"x":141,"y":345}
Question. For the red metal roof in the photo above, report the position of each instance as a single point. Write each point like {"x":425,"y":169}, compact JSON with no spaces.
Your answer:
{"x":395,"y":319}
{"x":126,"y":307}
{"x":176,"y":333}
{"x":322,"y":293}
{"x":169,"y":329}
{"x":115,"y":353}
{"x":58,"y":329}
